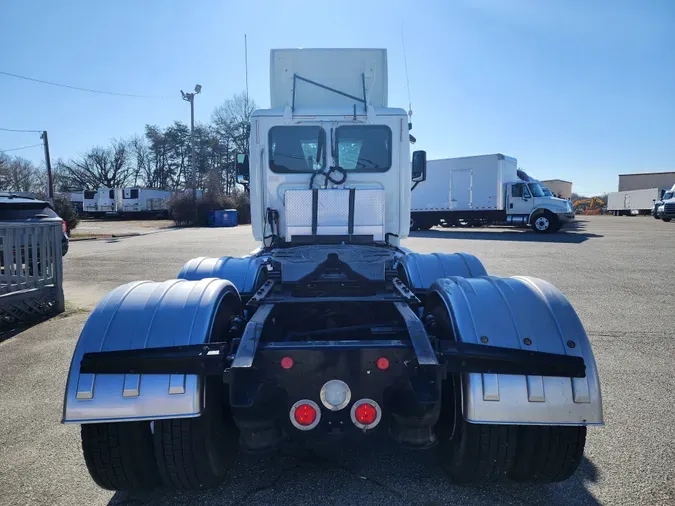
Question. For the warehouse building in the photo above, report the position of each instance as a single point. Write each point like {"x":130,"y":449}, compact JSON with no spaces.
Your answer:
{"x":646,"y":180}
{"x":559,"y":187}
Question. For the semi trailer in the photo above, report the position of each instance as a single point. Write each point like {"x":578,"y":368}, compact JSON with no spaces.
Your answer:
{"x":331,"y":326}
{"x":487,"y":189}
{"x":125,"y":201}
{"x":633,"y":202}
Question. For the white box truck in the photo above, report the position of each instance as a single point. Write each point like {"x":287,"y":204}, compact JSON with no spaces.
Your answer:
{"x":486,"y":189}
{"x":633,"y":202}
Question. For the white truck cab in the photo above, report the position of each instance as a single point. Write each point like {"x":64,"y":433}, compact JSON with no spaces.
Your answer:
{"x":666,"y":208}
{"x":329,"y":161}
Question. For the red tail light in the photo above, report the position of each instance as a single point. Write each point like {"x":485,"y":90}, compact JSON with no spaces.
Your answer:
{"x":305,"y":414}
{"x":366,"y":414}
{"x":65,"y":226}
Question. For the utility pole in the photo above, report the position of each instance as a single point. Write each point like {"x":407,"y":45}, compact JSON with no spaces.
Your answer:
{"x":48,"y":164}
{"x":190,"y":97}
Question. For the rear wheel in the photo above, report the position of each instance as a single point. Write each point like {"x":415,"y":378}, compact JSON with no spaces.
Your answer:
{"x":119,"y":456}
{"x":478,"y":453}
{"x":469,"y":452}
{"x":547,"y":454}
{"x":195,"y":453}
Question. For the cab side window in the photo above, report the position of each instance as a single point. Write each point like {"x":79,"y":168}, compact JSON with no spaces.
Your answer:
{"x":517,"y":190}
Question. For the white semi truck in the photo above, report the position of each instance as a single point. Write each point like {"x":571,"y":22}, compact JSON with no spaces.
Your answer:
{"x":487,"y":189}
{"x":633,"y":202}
{"x":331,"y":326}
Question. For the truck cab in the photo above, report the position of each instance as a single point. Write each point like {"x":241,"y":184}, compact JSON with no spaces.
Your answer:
{"x":329,"y":162}
{"x":525,"y":199}
{"x":665,"y":209}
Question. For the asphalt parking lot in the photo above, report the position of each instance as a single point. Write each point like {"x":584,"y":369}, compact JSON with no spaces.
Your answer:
{"x":617,"y":272}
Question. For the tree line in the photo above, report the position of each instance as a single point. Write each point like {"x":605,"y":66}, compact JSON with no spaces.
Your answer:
{"x":160,"y":158}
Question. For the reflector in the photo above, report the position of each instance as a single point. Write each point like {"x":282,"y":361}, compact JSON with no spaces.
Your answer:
{"x":383,"y":363}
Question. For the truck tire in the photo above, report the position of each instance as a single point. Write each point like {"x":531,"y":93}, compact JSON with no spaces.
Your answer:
{"x":119,"y":456}
{"x":478,"y":453}
{"x":420,"y":224}
{"x":544,"y":222}
{"x":194,"y":453}
{"x":666,"y":219}
{"x":547,"y":454}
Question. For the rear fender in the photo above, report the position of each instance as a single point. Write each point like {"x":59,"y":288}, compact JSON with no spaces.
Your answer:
{"x":244,"y":273}
{"x":421,"y":270}
{"x":523,"y":313}
{"x":140,"y":315}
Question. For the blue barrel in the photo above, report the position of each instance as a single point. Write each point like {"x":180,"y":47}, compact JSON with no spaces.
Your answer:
{"x":223,"y":218}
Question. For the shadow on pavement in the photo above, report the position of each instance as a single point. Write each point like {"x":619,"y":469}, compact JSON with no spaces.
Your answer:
{"x":572,"y":234}
{"x":368,"y":474}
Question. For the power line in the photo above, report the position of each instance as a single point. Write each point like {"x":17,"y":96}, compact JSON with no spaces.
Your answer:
{"x":22,"y":147}
{"x":80,"y":89}
{"x":15,"y":130}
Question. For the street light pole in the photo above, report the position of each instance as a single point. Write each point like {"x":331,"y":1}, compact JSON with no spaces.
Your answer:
{"x":190,"y":97}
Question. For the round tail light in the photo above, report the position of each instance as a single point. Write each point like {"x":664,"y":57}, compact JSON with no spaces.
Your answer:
{"x":335,"y":395}
{"x":366,"y":414}
{"x":305,"y":414}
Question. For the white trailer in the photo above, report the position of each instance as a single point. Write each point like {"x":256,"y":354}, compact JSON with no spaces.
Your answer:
{"x":633,"y":202}
{"x":144,"y":201}
{"x":102,"y":201}
{"x":484,"y":189}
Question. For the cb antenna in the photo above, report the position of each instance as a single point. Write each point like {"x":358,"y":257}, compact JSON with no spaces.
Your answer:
{"x":246,"y":68}
{"x":407,"y":79}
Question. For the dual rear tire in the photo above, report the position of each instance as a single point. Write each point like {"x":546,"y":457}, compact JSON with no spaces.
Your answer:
{"x":183,"y":453}
{"x":481,"y":453}
{"x":484,"y":453}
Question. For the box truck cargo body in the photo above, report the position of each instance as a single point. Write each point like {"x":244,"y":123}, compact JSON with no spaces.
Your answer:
{"x":485,"y":189}
{"x":633,"y":202}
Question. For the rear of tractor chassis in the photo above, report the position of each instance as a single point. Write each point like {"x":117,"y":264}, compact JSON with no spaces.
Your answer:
{"x":169,"y":379}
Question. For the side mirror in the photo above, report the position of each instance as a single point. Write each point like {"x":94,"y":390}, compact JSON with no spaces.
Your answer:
{"x":419,"y":166}
{"x":242,"y":168}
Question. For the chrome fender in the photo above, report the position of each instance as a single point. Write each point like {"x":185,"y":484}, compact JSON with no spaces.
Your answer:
{"x":244,"y":273}
{"x":422,"y":269}
{"x":530,"y":314}
{"x":144,"y":314}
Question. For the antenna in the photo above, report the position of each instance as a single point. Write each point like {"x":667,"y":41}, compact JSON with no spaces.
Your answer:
{"x":246,"y":66}
{"x":407,"y":80}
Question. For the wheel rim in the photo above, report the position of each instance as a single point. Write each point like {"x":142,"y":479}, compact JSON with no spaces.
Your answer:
{"x":542,"y":223}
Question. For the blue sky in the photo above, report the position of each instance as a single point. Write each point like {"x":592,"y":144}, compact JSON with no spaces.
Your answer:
{"x":574,"y":89}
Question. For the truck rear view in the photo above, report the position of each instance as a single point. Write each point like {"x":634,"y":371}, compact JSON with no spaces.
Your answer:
{"x":330,"y":327}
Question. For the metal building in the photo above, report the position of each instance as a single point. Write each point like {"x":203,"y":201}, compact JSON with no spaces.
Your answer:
{"x":645,"y":180}
{"x":559,"y":187}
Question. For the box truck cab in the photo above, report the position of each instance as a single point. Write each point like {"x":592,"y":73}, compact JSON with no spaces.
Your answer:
{"x":486,"y":189}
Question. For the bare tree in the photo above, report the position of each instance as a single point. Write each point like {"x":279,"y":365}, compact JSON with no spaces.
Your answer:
{"x":20,"y":175}
{"x":107,"y":167}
